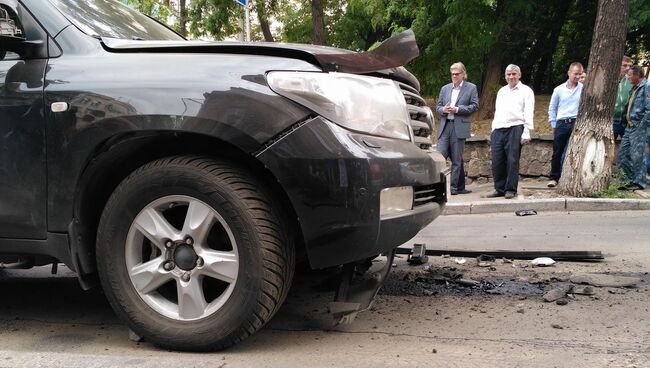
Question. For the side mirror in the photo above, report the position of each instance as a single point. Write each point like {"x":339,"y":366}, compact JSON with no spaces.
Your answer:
{"x":22,"y":47}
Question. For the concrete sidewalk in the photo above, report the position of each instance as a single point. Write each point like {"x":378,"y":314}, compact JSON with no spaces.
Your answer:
{"x":534,"y":195}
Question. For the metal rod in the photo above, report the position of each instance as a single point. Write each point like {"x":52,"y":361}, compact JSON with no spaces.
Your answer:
{"x":578,"y":255}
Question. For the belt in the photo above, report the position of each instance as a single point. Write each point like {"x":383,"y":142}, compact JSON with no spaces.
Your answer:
{"x":567,"y":121}
{"x":450,"y":120}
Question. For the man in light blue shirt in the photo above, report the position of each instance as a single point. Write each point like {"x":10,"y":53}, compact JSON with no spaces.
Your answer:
{"x":562,"y":113}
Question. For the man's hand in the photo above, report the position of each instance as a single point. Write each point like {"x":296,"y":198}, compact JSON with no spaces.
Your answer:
{"x":449,"y":109}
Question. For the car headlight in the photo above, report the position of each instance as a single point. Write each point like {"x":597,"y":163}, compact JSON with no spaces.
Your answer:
{"x":366,"y":104}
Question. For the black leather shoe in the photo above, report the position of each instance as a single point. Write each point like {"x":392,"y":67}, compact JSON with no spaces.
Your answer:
{"x":494,"y":194}
{"x":510,"y":195}
{"x":463,"y":191}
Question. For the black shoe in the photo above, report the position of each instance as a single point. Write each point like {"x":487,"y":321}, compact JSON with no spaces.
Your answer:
{"x":510,"y":195}
{"x":494,"y":194}
{"x":463,"y":191}
{"x":631,"y":187}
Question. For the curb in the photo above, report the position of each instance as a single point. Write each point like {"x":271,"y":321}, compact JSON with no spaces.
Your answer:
{"x":548,"y":205}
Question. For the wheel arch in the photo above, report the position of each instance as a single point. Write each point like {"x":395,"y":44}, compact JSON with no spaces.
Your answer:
{"x":122,"y":154}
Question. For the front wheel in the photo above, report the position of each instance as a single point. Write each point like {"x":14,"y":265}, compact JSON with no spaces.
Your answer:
{"x":193,"y":254}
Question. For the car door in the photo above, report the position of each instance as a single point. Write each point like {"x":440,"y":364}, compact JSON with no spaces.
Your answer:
{"x":22,"y":131}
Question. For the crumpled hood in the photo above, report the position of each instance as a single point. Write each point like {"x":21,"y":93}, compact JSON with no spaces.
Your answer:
{"x":388,"y":58}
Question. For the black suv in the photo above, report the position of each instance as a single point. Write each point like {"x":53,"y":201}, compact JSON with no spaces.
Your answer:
{"x":188,"y":178}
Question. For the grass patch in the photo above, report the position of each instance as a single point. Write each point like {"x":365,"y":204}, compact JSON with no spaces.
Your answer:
{"x":616,"y":181}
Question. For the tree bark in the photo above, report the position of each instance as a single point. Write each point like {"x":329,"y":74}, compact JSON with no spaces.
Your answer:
{"x":318,"y":21}
{"x":492,"y":81}
{"x":588,"y":163}
{"x":493,"y":75}
{"x":182,"y":19}
{"x":543,"y":73}
{"x":266,"y":28}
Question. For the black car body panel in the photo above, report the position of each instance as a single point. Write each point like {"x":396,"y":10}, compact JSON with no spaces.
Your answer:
{"x":212,"y":95}
{"x":334,"y":178}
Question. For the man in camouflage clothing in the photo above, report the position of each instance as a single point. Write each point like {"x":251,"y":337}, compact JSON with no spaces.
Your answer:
{"x":631,"y":152}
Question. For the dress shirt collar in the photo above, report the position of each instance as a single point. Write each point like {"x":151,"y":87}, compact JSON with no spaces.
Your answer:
{"x":515,"y":87}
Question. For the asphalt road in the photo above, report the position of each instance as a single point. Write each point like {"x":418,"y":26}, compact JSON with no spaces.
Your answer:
{"x":47,"y":321}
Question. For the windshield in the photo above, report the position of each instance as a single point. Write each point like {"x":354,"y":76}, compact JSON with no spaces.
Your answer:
{"x":110,"y":18}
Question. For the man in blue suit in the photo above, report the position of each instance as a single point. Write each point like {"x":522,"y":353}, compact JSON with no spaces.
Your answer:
{"x":456,"y":102}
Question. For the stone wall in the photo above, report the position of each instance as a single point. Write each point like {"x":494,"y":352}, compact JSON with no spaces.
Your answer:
{"x":535,"y":157}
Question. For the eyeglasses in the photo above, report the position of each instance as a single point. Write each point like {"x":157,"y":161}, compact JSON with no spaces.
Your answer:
{"x":456,"y":74}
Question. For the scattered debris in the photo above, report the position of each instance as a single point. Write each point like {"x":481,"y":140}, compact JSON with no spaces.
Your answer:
{"x":460,"y":260}
{"x":506,"y":260}
{"x":555,"y":325}
{"x":562,"y":301}
{"x":485,"y":258}
{"x":525,"y":212}
{"x":616,"y":291}
{"x":468,"y":282}
{"x":418,"y":255}
{"x":582,"y":290}
{"x":554,"y":294}
{"x":135,"y":337}
{"x":605,"y":280}
{"x":543,"y":262}
{"x":445,"y":255}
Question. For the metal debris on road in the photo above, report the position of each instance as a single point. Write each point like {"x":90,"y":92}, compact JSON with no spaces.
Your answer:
{"x":418,"y":255}
{"x":525,"y":212}
{"x":543,"y":262}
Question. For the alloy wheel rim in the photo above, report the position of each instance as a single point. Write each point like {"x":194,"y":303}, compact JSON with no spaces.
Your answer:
{"x":181,"y":258}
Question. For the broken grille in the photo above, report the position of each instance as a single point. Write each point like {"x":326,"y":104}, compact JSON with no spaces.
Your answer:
{"x":429,"y":193}
{"x":421,"y":117}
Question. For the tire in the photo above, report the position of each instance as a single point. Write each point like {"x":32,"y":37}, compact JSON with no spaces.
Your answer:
{"x":193,"y":254}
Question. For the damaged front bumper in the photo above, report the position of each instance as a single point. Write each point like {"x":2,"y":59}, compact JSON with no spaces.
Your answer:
{"x":357,"y":289}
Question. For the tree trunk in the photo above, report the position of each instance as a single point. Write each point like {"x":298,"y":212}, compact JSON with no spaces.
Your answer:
{"x":266,"y":28}
{"x":318,"y":21}
{"x":182,"y":21}
{"x":493,"y":74}
{"x":492,"y":80}
{"x":543,"y":75}
{"x":589,"y":160}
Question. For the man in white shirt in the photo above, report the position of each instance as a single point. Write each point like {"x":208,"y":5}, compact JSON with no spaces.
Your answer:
{"x":513,"y":121}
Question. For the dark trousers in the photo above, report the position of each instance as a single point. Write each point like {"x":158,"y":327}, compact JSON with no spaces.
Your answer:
{"x":647,"y":158}
{"x":450,"y":146}
{"x":506,"y":149}
{"x":619,"y":129}
{"x":561,"y":137}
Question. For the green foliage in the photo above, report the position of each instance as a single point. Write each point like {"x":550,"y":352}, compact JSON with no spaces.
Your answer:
{"x":616,"y":180}
{"x":214,"y":18}
{"x":153,"y":8}
{"x":296,"y":20}
{"x":543,"y":37}
{"x":638,"y":39}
